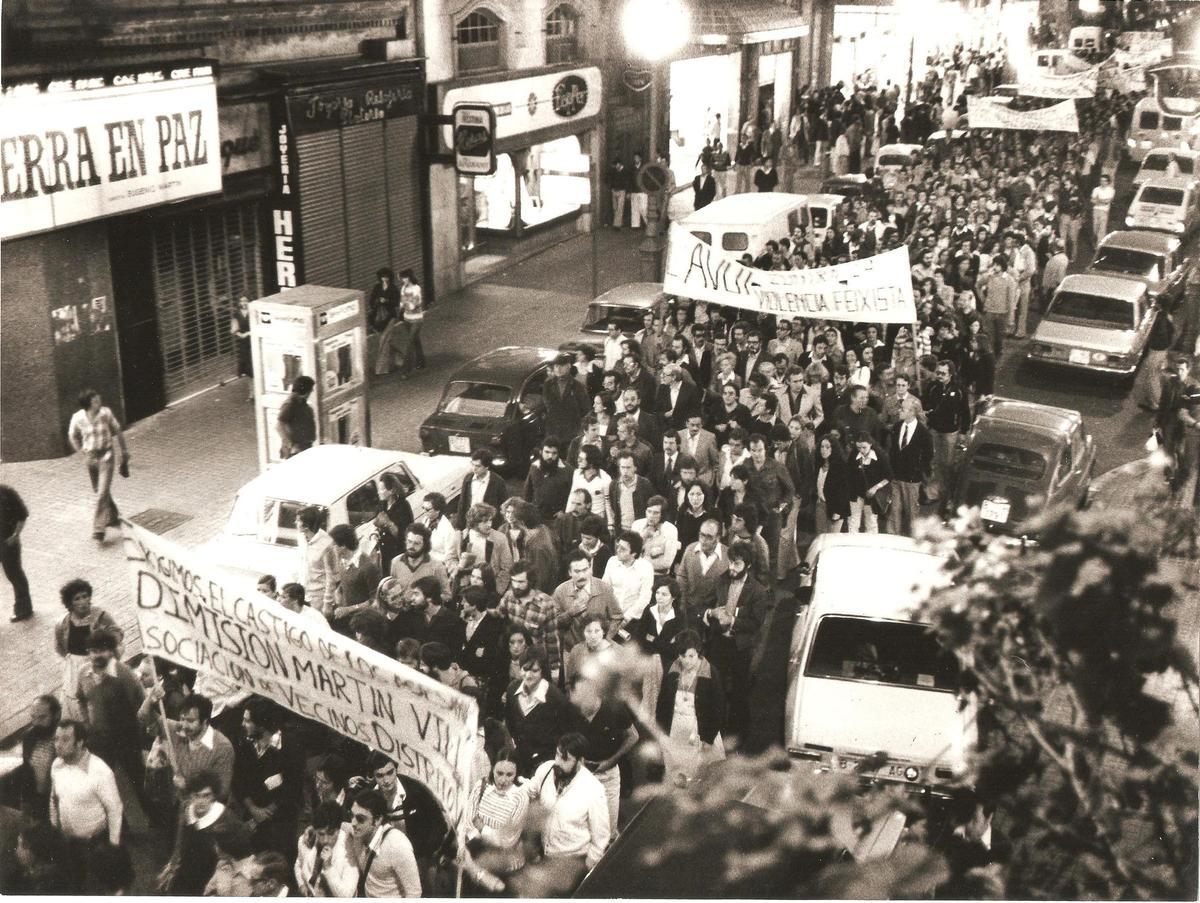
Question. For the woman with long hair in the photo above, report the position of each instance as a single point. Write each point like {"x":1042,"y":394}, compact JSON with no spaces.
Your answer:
{"x":832,"y":491}
{"x":71,"y":637}
{"x":696,"y":509}
{"x":412,"y":303}
{"x":497,"y":821}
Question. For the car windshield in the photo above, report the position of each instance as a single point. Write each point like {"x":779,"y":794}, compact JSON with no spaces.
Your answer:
{"x":1135,"y":263}
{"x":895,"y":160}
{"x":1152,"y":194}
{"x":475,"y":399}
{"x":629,"y":319}
{"x":1009,"y":461}
{"x":891,"y":652}
{"x":278,"y":524}
{"x":1112,"y":313}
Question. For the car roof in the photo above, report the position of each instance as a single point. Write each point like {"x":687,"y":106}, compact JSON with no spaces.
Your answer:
{"x":506,"y":365}
{"x":1027,"y":415}
{"x":750,"y":207}
{"x":1104,"y":286}
{"x":322,"y":474}
{"x":633,"y":294}
{"x":867,"y":577}
{"x":826,"y":199}
{"x":1140,"y":240}
{"x":1170,"y":152}
{"x":850,"y":178}
{"x":898,"y":148}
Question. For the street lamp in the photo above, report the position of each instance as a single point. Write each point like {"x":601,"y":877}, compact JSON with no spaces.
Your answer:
{"x":654,"y":31}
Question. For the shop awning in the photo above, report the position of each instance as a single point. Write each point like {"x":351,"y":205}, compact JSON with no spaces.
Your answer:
{"x":721,"y":23}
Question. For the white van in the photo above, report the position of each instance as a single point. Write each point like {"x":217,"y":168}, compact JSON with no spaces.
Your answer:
{"x":1153,"y":127}
{"x":891,"y":158}
{"x":740,"y":224}
{"x":866,"y":677}
{"x":1085,"y":40}
{"x":1162,"y":163}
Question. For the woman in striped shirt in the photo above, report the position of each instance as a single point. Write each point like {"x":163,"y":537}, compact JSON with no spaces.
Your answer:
{"x":497,"y":822}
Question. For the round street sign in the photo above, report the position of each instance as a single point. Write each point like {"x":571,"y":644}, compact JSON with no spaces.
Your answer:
{"x":637,"y":79}
{"x":652,"y":177}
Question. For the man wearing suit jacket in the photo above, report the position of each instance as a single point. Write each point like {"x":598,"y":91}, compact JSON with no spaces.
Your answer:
{"x":647,"y":424}
{"x":910,"y":448}
{"x":701,"y":445}
{"x":664,"y":472}
{"x":482,"y":484}
{"x":700,"y":359}
{"x":700,"y":570}
{"x":484,"y":646}
{"x":749,"y":359}
{"x":638,"y":377}
{"x":629,"y":493}
{"x":735,"y":623}
{"x":677,"y":399}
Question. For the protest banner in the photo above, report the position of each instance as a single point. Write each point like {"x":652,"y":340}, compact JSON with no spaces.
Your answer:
{"x":985,"y":113}
{"x":192,"y":613}
{"x":1038,"y":83}
{"x":875,"y":289}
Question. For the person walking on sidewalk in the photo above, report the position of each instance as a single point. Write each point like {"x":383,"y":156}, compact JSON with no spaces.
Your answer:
{"x":13,"y":515}
{"x":1102,"y":198}
{"x":1150,"y":378}
{"x":383,"y":311}
{"x":93,"y":430}
{"x":412,"y":304}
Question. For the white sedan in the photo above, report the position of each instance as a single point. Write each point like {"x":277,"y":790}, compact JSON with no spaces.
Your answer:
{"x":261,"y":535}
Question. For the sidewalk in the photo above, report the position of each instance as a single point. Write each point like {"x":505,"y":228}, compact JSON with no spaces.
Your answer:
{"x":188,"y":462}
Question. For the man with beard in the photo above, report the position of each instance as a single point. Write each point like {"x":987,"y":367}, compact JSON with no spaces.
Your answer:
{"x":565,"y":528}
{"x":416,"y":562}
{"x":262,"y":782}
{"x":536,"y":612}
{"x":199,"y":747}
{"x":577,"y":828}
{"x":581,"y":595}
{"x":548,"y":482}
{"x":30,"y":784}
{"x":109,"y":696}
{"x":645,"y":423}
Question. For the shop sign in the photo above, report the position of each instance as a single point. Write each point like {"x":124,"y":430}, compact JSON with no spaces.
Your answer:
{"x":80,"y":149}
{"x":474,"y":140}
{"x":286,"y":264}
{"x":354,"y":103}
{"x":637,"y":79}
{"x":570,"y":96}
{"x":532,"y":103}
{"x":245,"y":137}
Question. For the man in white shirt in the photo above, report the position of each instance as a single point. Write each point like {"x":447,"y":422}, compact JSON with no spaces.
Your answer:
{"x":630,"y":575}
{"x":577,"y":828}
{"x":324,"y":865}
{"x":387,"y":866}
{"x":320,"y":559}
{"x":444,"y":540}
{"x":84,"y":802}
{"x":659,"y":536}
{"x":1102,"y":198}
{"x":612,"y":346}
{"x":733,"y":454}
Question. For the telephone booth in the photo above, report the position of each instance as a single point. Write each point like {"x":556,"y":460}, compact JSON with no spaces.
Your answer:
{"x":317,"y":331}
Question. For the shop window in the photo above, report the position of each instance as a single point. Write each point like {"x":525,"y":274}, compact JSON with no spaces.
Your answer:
{"x":479,"y":39}
{"x":562,"y":35}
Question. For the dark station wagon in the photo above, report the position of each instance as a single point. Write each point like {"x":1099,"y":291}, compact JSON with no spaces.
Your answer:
{"x":494,"y":402}
{"x":1021,"y":459}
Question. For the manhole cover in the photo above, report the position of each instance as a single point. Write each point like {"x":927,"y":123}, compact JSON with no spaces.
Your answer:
{"x":158,"y":520}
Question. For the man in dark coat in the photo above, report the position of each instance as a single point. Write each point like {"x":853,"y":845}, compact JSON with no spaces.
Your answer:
{"x":296,"y":422}
{"x":734,"y":625}
{"x":910,"y":449}
{"x":482,"y":484}
{"x":677,"y":399}
{"x":566,"y":400}
{"x":705,"y":188}
{"x":548,"y":482}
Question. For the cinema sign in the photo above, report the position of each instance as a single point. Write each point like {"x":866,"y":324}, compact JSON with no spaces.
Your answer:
{"x":80,"y":149}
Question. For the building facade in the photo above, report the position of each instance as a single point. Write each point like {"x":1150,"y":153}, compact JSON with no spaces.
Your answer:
{"x":161,"y":162}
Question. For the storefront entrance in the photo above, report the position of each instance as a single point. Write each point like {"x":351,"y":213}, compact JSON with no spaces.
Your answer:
{"x":704,"y":106}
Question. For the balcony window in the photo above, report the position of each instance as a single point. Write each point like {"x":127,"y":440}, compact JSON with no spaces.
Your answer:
{"x":562,"y":35}
{"x":478,"y":37}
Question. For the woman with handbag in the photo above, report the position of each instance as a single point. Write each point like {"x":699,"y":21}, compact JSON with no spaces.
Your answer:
{"x":870,"y":486}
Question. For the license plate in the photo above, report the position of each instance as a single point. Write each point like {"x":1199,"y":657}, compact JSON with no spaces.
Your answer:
{"x":1076,"y":356}
{"x":995,"y":510}
{"x":460,"y":445}
{"x":889,"y":770}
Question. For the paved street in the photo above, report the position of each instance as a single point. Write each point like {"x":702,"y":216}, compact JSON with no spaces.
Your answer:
{"x":189,"y":461}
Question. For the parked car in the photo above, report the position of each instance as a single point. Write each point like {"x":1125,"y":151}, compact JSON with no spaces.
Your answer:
{"x":625,"y":305}
{"x":261,"y":536}
{"x":1166,"y":205}
{"x":495,"y":402}
{"x":1095,"y":323}
{"x":1154,"y":259}
{"x":1020,"y":459}
{"x":865,"y":677}
{"x":1166,"y":163}
{"x":851,"y":185}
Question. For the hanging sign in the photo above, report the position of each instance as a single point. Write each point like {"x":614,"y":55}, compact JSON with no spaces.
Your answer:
{"x":985,"y":113}
{"x":876,"y":289}
{"x":1060,"y":87}
{"x":474,"y":139}
{"x":637,"y":79}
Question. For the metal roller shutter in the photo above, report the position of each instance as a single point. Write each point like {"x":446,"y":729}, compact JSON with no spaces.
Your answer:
{"x":366,"y":203}
{"x":202,"y":264}
{"x":404,"y":195}
{"x":322,"y":209}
